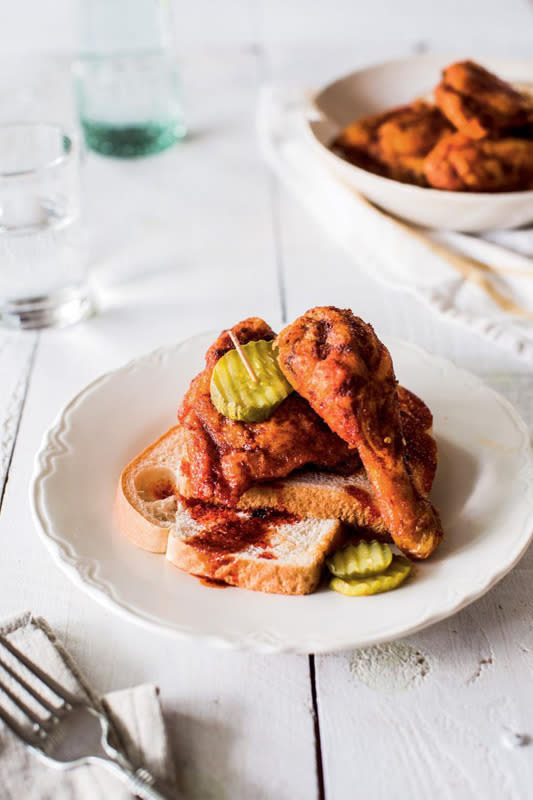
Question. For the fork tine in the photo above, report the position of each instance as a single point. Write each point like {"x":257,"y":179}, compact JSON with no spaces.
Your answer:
{"x":16,"y":728}
{"x":55,"y":710}
{"x":59,"y":690}
{"x":21,"y":704}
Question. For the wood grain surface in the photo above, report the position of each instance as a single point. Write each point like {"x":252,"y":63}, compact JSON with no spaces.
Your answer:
{"x":197,"y":238}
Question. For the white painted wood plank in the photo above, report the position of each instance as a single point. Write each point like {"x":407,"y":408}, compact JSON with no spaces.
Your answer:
{"x":32,"y":26}
{"x":444,"y":713}
{"x":440,"y":714}
{"x":16,"y":351}
{"x":182,"y":242}
{"x":466,"y":26}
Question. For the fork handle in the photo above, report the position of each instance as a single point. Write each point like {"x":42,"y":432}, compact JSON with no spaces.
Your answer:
{"x":141,"y":783}
{"x":144,"y":789}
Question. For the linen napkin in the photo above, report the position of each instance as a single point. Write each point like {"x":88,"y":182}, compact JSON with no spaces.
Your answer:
{"x":388,"y":251}
{"x":135,"y":714}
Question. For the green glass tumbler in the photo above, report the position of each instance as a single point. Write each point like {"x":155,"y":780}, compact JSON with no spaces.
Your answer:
{"x":126,"y":78}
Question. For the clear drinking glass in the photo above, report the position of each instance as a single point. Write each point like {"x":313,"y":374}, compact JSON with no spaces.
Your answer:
{"x":127,"y":85}
{"x":43,"y":264}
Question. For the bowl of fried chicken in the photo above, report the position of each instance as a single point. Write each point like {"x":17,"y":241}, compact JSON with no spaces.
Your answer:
{"x":440,"y":143}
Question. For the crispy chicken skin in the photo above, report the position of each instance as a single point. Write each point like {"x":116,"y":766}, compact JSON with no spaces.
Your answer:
{"x":420,"y":448}
{"x":395,"y":142}
{"x":336,"y":362}
{"x":459,"y":163}
{"x":223,"y":457}
{"x":480,"y":104}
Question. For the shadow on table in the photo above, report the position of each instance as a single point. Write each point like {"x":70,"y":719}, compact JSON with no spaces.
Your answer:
{"x":205,"y":758}
{"x":457,"y":474}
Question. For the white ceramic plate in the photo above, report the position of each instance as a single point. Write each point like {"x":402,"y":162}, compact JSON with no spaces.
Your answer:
{"x":484,"y":490}
{"x":377,"y":88}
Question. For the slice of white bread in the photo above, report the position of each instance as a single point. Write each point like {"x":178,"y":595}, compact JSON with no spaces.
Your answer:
{"x":320,"y":495}
{"x":287,"y":557}
{"x":311,"y":493}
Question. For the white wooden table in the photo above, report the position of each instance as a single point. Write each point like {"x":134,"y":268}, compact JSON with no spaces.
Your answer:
{"x":195,"y":239}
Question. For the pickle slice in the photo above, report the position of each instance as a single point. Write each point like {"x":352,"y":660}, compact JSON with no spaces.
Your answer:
{"x":233,"y":392}
{"x":360,"y":560}
{"x":393,"y":577}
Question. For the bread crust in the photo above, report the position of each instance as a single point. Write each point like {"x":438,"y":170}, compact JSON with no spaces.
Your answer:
{"x":141,"y":531}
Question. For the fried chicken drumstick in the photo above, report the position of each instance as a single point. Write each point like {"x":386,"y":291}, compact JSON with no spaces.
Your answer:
{"x":480,"y":104}
{"x":222,"y":457}
{"x":336,"y":362}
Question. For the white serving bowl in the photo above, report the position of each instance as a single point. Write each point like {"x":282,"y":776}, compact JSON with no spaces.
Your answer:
{"x":377,"y":88}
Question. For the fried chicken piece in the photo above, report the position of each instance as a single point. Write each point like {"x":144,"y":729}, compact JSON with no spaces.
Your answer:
{"x":480,"y":104}
{"x":420,"y":448}
{"x":458,"y":163}
{"x":411,"y":131}
{"x":336,"y":362}
{"x":395,"y":142}
{"x":362,"y":134}
{"x":222,"y":457}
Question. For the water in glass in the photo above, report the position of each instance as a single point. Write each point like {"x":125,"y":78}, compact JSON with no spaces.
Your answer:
{"x":43,"y":262}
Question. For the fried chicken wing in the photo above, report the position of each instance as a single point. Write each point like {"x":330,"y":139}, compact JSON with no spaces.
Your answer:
{"x":480,"y":104}
{"x":395,"y":142}
{"x":336,"y":362}
{"x":223,"y":457}
{"x":458,"y":163}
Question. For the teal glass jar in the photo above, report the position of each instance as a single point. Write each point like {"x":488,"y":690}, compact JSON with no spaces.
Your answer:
{"x":126,"y":78}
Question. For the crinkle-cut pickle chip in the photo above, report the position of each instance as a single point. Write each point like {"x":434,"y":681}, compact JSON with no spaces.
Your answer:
{"x":393,"y":577}
{"x":360,"y":560}
{"x":233,"y":392}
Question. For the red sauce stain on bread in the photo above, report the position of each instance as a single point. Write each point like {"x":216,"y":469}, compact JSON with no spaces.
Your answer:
{"x":364,"y":499}
{"x":226,"y":531}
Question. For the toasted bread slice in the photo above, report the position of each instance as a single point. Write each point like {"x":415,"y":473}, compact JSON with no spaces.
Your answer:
{"x":321,"y":495}
{"x":273,"y":552}
{"x":269,"y":551}
{"x":146,"y":497}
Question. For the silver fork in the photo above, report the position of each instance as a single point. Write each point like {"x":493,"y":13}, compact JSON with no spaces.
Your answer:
{"x":51,"y":732}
